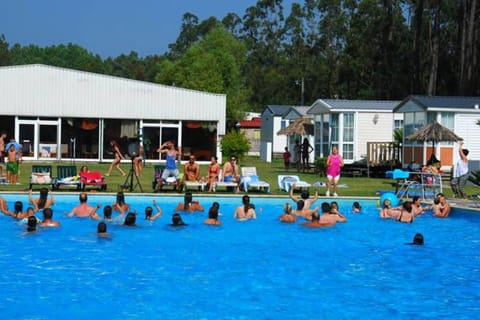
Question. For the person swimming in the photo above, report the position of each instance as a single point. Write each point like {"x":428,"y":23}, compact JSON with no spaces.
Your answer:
{"x":177,"y":220}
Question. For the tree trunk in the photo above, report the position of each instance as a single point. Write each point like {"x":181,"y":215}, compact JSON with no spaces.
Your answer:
{"x":417,"y":53}
{"x":432,"y":80}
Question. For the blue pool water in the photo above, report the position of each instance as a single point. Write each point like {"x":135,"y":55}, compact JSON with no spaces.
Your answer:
{"x":259,"y":269}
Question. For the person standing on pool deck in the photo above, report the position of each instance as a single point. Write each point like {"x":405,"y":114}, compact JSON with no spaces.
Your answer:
{"x":305,"y":195}
{"x":83,"y":210}
{"x":245,"y":211}
{"x":118,"y":156}
{"x":14,"y":158}
{"x":334,"y":167}
{"x":460,"y":175}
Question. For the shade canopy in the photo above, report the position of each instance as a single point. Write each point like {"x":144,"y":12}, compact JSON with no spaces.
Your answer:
{"x":434,"y":132}
{"x":301,"y":126}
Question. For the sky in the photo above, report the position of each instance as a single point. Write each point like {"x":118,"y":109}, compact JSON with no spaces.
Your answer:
{"x":108,"y":27}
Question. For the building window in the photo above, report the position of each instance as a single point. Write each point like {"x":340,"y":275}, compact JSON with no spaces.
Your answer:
{"x":398,"y":124}
{"x":283,"y":124}
{"x":348,"y":135}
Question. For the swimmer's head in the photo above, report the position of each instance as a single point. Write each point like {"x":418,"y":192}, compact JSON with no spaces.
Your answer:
{"x":130,"y":219}
{"x":305,"y":194}
{"x":418,"y":239}
{"x":102,"y":227}
{"x":177,"y":219}
{"x":315,"y":216}
{"x":188,"y":197}
{"x":213,"y":213}
{"x":287,"y":208}
{"x":120,"y":197}
{"x":148,"y":212}
{"x":325,"y":207}
{"x":31,"y":223}
{"x":82,"y":197}
{"x":47,"y":213}
{"x":300,"y":204}
{"x":18,"y":206}
{"x":43,"y":193}
{"x":107,"y":212}
{"x":356,"y":205}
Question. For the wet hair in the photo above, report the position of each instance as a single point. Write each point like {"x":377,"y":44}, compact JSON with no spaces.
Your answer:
{"x":305,"y":194}
{"x":315,"y":216}
{"x":82,"y":197}
{"x":30,"y":210}
{"x":418,"y":239}
{"x":357,"y":205}
{"x":187,"y":200}
{"x":31,"y":223}
{"x":107,"y":212}
{"x":130,"y":219}
{"x":43,"y":198}
{"x":436,"y":201}
{"x":213,"y":213}
{"x":18,"y":207}
{"x":47,"y":214}
{"x":102,"y":227}
{"x":120,"y":197}
{"x":216,"y":205}
{"x":300,"y":204}
{"x":177,"y":220}
{"x":407,"y":205}
{"x":246,"y":203}
{"x":148,"y":212}
{"x":287,"y":208}
{"x":333,"y":205}
{"x":384,"y":205}
{"x":415,"y":199}
{"x":325,"y":207}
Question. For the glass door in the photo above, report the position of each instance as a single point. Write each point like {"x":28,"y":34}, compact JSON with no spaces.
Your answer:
{"x":26,"y":137}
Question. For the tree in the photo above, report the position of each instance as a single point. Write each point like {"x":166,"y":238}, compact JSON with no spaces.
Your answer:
{"x":235,"y":143}
{"x":212,"y":64}
{"x":4,"y":51}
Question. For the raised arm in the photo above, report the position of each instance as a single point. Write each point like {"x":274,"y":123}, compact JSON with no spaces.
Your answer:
{"x":159,"y":211}
{"x":292,"y":196}
{"x":93,"y":212}
{"x":460,"y":151}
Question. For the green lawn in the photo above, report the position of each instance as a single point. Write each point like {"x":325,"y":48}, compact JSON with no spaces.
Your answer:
{"x":358,"y":186}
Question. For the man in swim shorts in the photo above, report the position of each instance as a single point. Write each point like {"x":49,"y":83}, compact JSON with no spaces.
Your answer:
{"x":13,"y":157}
{"x":231,"y":171}
{"x":83,"y":210}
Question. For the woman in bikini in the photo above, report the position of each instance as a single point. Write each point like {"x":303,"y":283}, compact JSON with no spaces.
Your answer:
{"x":213,"y":172}
{"x":116,"y":161}
{"x":406,"y":215}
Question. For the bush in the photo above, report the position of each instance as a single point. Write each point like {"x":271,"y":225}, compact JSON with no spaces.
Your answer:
{"x":320,"y":165}
{"x":235,"y":143}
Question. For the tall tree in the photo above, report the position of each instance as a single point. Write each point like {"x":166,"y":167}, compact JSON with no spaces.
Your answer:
{"x":212,"y":64}
{"x":4,"y":51}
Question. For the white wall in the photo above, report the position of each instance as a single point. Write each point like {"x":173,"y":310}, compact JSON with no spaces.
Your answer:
{"x":368,"y":131}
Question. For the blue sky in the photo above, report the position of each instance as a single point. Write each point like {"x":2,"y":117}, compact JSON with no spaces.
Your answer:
{"x":108,"y":27}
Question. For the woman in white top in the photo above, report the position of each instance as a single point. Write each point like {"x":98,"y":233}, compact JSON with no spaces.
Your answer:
{"x":460,"y":175}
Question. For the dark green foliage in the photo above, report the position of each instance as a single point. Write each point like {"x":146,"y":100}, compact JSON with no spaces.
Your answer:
{"x":235,"y":143}
{"x":475,"y":177}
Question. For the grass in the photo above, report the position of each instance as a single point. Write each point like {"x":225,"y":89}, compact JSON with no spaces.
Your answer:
{"x":357,"y":186}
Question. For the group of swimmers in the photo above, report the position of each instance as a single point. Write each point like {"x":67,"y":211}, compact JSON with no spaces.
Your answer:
{"x":410,"y":209}
{"x":329,"y":215}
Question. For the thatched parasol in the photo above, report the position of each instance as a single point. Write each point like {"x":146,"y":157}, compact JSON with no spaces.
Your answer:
{"x":434,"y":132}
{"x":301,"y":126}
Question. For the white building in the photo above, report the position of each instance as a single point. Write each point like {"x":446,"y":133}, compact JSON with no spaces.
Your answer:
{"x":62,"y":114}
{"x":350,"y":124}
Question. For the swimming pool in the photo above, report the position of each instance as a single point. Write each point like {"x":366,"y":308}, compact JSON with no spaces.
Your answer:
{"x":259,"y":269}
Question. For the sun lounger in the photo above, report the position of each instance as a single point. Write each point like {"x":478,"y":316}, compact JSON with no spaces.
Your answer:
{"x":169,"y":182}
{"x":42,"y":175}
{"x":249,"y":180}
{"x":199,"y":185}
{"x":286,"y":182}
{"x":67,"y":176}
{"x":93,"y":179}
{"x":233,"y":186}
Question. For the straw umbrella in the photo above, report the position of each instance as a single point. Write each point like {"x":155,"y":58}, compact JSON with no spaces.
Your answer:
{"x":434,"y":132}
{"x":301,"y":126}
